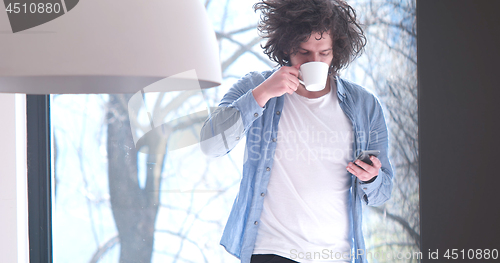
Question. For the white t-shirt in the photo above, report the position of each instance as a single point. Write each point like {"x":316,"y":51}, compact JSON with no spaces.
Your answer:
{"x":307,"y":208}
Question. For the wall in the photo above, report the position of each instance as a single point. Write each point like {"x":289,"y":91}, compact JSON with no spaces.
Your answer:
{"x":13,"y":193}
{"x":459,"y":93}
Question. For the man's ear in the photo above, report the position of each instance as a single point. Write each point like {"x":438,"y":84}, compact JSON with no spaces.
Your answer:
{"x":330,"y":69}
{"x":288,"y":63}
{"x":287,"y":59}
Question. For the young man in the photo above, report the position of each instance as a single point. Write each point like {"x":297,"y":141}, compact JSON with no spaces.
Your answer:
{"x":300,"y":194}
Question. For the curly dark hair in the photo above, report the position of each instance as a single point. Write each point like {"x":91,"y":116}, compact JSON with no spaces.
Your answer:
{"x":288,"y":23}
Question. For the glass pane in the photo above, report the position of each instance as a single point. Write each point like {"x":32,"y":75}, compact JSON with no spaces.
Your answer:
{"x":389,"y":69}
{"x":105,"y":187}
{"x":172,"y":205}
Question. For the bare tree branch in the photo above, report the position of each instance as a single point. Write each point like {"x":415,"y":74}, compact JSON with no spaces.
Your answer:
{"x":398,"y":50}
{"x":183,"y":237}
{"x":415,"y":236}
{"x":104,"y":248}
{"x":240,"y":52}
{"x":241,"y":30}
{"x":243,"y":48}
{"x":399,"y":244}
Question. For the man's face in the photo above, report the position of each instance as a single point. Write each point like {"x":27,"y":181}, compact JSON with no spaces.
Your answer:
{"x":314,"y":50}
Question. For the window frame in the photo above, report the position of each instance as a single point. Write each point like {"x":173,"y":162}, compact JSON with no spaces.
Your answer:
{"x":39,"y":178}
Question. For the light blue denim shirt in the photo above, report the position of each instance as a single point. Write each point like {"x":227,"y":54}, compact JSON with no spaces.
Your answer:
{"x":239,"y":114}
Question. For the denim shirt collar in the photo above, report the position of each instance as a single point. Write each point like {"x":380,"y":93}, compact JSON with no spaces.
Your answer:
{"x":341,"y":92}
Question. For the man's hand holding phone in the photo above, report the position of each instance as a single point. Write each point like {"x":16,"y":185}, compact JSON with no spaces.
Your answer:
{"x":366,"y":165}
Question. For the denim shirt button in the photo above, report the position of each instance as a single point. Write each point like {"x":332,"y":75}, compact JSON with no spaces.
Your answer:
{"x":255,"y":223}
{"x":262,"y":194}
{"x":268,"y":169}
{"x":274,"y":139}
{"x":237,"y":138}
{"x":364,"y":188}
{"x":256,"y":115}
{"x":278,"y":113}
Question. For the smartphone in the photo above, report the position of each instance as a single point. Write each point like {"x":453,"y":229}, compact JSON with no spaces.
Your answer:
{"x":365,"y":156}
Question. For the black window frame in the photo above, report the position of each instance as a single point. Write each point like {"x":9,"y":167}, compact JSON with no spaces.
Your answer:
{"x":38,"y":145}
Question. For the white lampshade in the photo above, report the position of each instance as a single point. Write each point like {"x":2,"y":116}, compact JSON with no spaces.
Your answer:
{"x":110,"y":46}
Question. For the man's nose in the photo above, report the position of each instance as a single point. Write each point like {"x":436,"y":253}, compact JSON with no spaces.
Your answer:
{"x":314,"y":57}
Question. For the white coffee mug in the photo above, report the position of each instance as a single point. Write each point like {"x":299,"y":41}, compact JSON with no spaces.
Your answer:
{"x":314,"y":75}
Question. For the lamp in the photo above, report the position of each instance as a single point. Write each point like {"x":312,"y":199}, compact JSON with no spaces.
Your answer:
{"x":111,"y":46}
